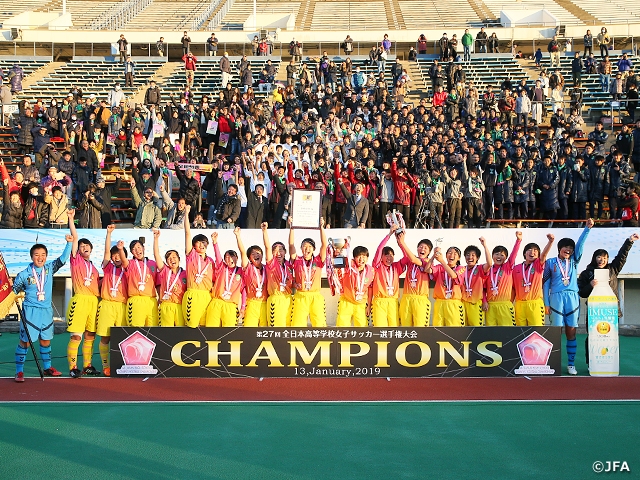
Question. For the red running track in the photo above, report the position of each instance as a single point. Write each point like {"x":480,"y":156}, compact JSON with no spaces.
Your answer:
{"x":319,"y":389}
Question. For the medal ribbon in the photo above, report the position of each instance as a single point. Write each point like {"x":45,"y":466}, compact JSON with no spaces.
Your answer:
{"x":39,"y":281}
{"x":565,"y":273}
{"x":142,"y":272}
{"x":201,"y":271}
{"x":228,"y":280}
{"x":468,"y":278}
{"x":307,"y":272}
{"x":388,"y":273}
{"x":170,"y":284}
{"x":115,"y":284}
{"x":495,"y":281}
{"x":526,"y":275}
{"x":259,"y":278}
{"x":448,"y":282}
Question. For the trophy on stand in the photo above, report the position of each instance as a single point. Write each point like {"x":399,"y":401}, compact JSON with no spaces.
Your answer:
{"x":337,"y":253}
{"x":395,"y":218}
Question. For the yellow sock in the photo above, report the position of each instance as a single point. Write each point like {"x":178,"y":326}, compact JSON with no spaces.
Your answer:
{"x":72,"y":353}
{"x":104,"y":354}
{"x":87,"y":351}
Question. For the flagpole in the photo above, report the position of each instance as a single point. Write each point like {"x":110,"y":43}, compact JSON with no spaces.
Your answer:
{"x":23,"y":318}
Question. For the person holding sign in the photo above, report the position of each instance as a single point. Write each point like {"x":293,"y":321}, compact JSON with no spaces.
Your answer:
{"x":307,"y":272}
{"x":474,"y":299}
{"x":142,"y":305}
{"x":600,"y":260}
{"x":224,"y":308}
{"x":82,"y":309}
{"x":172,"y":280}
{"x":527,"y":285}
{"x":448,"y":309}
{"x":112,"y":309}
{"x":279,"y":282}
{"x":200,"y":269}
{"x":254,"y":275}
{"x":560,"y":288}
{"x":36,"y":281}
{"x":499,"y":286}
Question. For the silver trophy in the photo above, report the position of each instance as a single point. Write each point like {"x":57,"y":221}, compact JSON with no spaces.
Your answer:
{"x":395,"y":218}
{"x":338,"y":248}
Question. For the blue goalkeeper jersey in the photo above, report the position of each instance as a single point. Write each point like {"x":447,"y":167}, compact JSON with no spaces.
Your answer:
{"x":552,"y":279}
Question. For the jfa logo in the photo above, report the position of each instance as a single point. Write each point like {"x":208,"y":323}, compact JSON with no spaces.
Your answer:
{"x":611,"y":466}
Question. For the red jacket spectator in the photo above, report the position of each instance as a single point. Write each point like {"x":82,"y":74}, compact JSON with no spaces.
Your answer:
{"x":439,"y":98}
{"x":13,"y":186}
{"x":291,"y":178}
{"x":402,"y":184}
{"x":340,"y":179}
{"x":189,"y":61}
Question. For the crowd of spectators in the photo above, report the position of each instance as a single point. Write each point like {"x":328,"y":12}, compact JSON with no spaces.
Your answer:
{"x":460,"y":157}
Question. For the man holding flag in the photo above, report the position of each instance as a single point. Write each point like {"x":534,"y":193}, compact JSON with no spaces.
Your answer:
{"x":36,"y":281}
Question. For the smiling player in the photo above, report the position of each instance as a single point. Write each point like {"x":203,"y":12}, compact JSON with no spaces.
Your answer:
{"x":279,"y":282}
{"x":473,"y":294}
{"x":142,"y":305}
{"x":448,"y":309}
{"x":415,"y":307}
{"x":499,"y":286}
{"x":254,"y":275}
{"x":224,"y":308}
{"x":172,"y":283}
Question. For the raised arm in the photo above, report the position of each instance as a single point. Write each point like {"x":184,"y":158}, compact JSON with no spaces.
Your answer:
{"x":577,"y":255}
{"x":621,"y":257}
{"x":216,"y":249}
{"x":72,"y":229}
{"x":292,"y":242}
{"x":243,"y":253}
{"x":156,"y":249}
{"x":487,"y":254}
{"x":407,"y":253}
{"x":383,"y":243}
{"x":106,"y":257}
{"x":443,"y":261}
{"x":551,"y":238}
{"x":323,"y":241}
{"x":515,"y":249}
{"x":187,"y":231}
{"x":265,"y":238}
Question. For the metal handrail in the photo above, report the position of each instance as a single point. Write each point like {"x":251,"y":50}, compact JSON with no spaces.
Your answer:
{"x":117,"y":17}
{"x":217,"y":19}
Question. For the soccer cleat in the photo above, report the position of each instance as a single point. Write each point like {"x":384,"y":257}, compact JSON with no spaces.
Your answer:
{"x":19,"y":377}
{"x":91,"y":371}
{"x":75,"y":373}
{"x":571,"y":370}
{"x":52,"y":372}
{"x":106,"y":371}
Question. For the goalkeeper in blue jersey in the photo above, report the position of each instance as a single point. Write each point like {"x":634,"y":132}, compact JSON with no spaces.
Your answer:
{"x":560,"y":289}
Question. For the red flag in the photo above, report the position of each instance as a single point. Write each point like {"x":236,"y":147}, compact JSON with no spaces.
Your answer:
{"x":7,"y":297}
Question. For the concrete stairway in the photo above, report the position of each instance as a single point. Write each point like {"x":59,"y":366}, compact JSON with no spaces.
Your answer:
{"x":574,"y":9}
{"x":305,"y":15}
{"x":165,"y":71}
{"x":418,"y":89}
{"x":41,"y":73}
{"x":481,"y":10}
{"x":395,"y":20}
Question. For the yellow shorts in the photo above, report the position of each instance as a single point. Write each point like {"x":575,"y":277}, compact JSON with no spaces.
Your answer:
{"x":348,"y":310}
{"x":448,"y":313}
{"x":110,"y":314}
{"x":279,"y":310}
{"x":171,"y":315}
{"x":530,"y":313}
{"x":501,"y":314}
{"x":222,"y":314}
{"x":255,"y":313}
{"x":142,"y":311}
{"x":415,"y":310}
{"x":311,"y":305}
{"x":474,"y":314}
{"x":385,"y":312}
{"x":81,"y":314}
{"x":194,"y":307}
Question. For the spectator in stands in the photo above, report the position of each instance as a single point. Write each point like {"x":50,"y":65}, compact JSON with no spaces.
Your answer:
{"x":228,"y":208}
{"x":523,"y":108}
{"x":538,"y":57}
{"x":577,"y":67}
{"x":632,"y":101}
{"x":624,"y":66}
{"x":604,"y":40}
{"x":12,"y":209}
{"x":25,"y":125}
{"x":492,"y":43}
{"x":36,"y":211}
{"x":212,"y":45}
{"x":225,"y":69}
{"x":153,"y":95}
{"x":122,"y":48}
{"x":591,"y":65}
{"x":467,"y":41}
{"x":413,"y":54}
{"x":115,"y":96}
{"x":347,"y":45}
{"x":189,"y":190}
{"x":617,"y":87}
{"x":129,"y":72}
{"x":6,"y":98}
{"x":604,"y":69}
{"x":588,"y":43}
{"x":453,"y":48}
{"x":160,"y":47}
{"x":190,"y":65}
{"x":148,"y":215}
{"x":90,"y":209}
{"x":386,"y":44}
{"x":15,"y":77}
{"x":481,"y":41}
{"x":186,"y":43}
{"x":554,"y":52}
{"x":422,"y":44}
{"x":58,"y":206}
{"x":444,"y":47}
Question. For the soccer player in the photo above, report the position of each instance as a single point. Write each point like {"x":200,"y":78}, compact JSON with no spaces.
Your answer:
{"x":415,"y":307}
{"x":560,"y":289}
{"x":82,"y":309}
{"x":527,"y":285}
{"x":224,"y":308}
{"x":499,"y":286}
{"x":383,"y":297}
{"x":307,"y":272}
{"x":200,"y":268}
{"x":356,"y":281}
{"x":448,"y":309}
{"x":36,"y":281}
{"x":142,"y":305}
{"x":172,"y":280}
{"x":279,"y":282}
{"x":473,"y":296}
{"x":254,"y":275}
{"x":112,"y":309}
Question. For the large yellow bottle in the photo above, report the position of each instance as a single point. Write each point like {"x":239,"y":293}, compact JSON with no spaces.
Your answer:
{"x":602,"y":326}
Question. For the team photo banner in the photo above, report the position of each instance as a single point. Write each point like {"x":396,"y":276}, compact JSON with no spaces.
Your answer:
{"x":335,"y":352}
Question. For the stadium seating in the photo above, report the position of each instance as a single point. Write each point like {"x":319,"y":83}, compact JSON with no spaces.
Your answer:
{"x":241,"y":9}
{"x":563,"y":15}
{"x":343,"y":15}
{"x":168,"y":15}
{"x":11,"y":8}
{"x":83,"y":12}
{"x":611,"y":11}
{"x":431,"y":13}
{"x":28,"y":66}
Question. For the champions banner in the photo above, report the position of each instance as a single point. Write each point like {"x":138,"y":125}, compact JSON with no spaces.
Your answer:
{"x":335,"y":352}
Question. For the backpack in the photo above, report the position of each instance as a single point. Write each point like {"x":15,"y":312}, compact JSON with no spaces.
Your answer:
{"x":628,"y":214}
